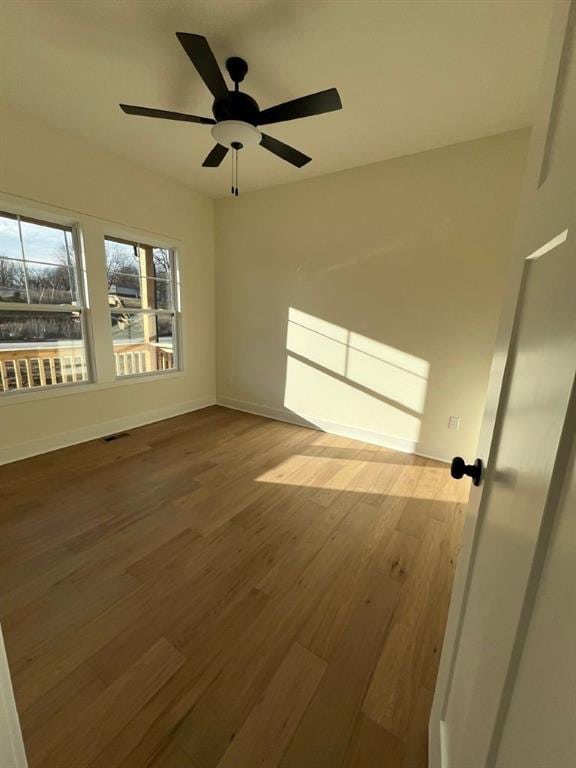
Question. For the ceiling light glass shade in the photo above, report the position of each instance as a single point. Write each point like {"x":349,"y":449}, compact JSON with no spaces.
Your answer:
{"x":230,"y":131}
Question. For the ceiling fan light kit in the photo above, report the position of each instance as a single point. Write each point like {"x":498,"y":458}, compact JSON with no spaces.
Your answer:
{"x":237,"y":116}
{"x":230,"y":132}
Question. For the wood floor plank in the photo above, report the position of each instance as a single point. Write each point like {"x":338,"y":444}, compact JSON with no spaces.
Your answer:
{"x":206,"y":733}
{"x":261,"y":741}
{"x":400,"y":556}
{"x":65,"y":606}
{"x":147,"y":735}
{"x":172,"y":757}
{"x":320,"y":524}
{"x":43,"y":723}
{"x":373,"y":747}
{"x":207,"y":651}
{"x":182,"y":614}
{"x":322,"y":738}
{"x":91,"y":730}
{"x":416,"y":755}
{"x":391,"y":698}
{"x":223,"y":588}
{"x":324,"y":626}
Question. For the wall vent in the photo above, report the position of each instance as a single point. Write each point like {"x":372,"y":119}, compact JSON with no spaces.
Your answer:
{"x":118,"y":435}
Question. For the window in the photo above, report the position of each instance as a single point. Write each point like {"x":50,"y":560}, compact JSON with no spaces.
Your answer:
{"x":142,"y":301}
{"x":42,"y":307}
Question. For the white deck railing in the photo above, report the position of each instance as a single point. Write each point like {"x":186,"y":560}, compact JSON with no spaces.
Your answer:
{"x":27,"y":372}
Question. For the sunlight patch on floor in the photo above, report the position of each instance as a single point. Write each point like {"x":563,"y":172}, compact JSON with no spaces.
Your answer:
{"x":364,"y":476}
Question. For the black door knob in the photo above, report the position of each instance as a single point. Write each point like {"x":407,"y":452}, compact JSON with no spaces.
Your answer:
{"x":459,"y":468}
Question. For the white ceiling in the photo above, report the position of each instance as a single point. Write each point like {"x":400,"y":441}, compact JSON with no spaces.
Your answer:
{"x":412,"y":74}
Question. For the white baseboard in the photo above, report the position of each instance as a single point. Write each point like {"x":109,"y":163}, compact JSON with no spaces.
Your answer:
{"x":94,"y":431}
{"x":343,"y":430}
{"x":103,"y":428}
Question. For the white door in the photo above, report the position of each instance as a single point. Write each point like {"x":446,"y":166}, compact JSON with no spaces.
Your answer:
{"x":525,"y":444}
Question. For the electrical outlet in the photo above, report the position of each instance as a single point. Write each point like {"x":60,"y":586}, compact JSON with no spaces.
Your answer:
{"x":454,"y":423}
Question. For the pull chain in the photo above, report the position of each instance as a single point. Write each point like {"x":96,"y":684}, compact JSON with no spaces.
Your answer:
{"x":236,"y":145}
{"x":236,"y":193}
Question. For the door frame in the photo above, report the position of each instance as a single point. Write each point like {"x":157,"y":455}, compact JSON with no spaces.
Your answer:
{"x":559,"y":35}
{"x":12,"y":754}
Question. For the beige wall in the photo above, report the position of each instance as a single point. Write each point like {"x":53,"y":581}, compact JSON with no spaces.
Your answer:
{"x":44,"y":170}
{"x":366,"y":302}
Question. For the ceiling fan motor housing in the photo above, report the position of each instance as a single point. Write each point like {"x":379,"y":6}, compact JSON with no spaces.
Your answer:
{"x":236,"y":106}
{"x":236,"y":113}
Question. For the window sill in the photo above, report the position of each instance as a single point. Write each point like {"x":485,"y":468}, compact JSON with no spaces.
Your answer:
{"x":19,"y":397}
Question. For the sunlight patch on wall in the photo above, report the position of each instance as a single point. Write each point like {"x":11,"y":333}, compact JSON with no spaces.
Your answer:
{"x":337,"y":375}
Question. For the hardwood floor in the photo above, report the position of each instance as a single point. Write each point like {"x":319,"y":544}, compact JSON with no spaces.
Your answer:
{"x":223,"y":591}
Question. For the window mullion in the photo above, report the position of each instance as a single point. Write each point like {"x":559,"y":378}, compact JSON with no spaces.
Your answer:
{"x":140,"y":311}
{"x":72,"y":276}
{"x":96,"y":285}
{"x":23,"y":307}
{"x":23,"y":259}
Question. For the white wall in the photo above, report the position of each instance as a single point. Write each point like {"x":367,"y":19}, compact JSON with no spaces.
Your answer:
{"x":45,"y":170}
{"x":366,"y":302}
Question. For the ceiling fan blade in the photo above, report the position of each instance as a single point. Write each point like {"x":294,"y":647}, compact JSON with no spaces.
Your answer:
{"x":306,"y":106}
{"x":215,"y":156}
{"x":201,"y":56}
{"x":162,"y":113}
{"x":284,"y":151}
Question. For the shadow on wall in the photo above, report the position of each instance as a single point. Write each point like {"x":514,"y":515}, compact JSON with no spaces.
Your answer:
{"x":333,"y":373}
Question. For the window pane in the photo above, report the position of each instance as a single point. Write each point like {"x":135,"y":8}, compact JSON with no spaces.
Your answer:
{"x":121,"y":257}
{"x":40,"y":349}
{"x":161,"y":260}
{"x":9,"y":238}
{"x":163,"y":294}
{"x":129,"y":291}
{"x":47,"y":244}
{"x":49,"y":284}
{"x":124,"y":290}
{"x":45,"y":272}
{"x":12,"y":283}
{"x":123,"y":274}
{"x":142,"y":342}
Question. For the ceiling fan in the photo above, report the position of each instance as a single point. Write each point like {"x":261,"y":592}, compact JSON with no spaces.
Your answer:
{"x":237,"y":116}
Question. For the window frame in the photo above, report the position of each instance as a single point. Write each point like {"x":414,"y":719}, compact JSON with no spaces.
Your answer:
{"x":82,"y":306}
{"x":174,"y":313}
